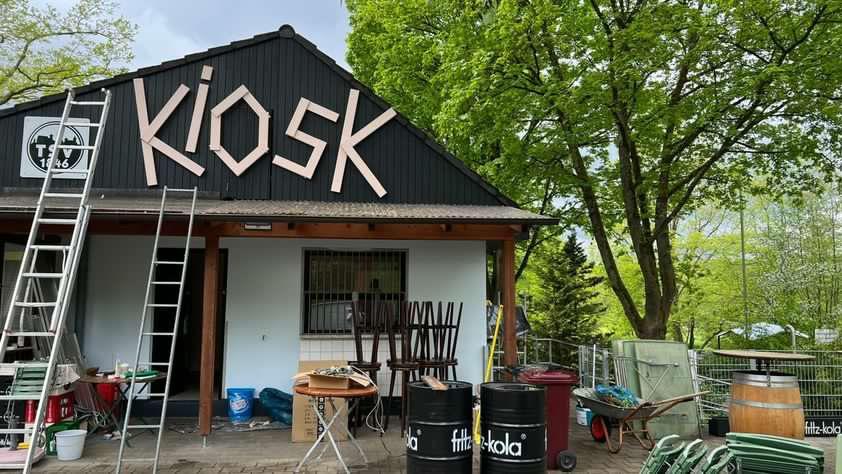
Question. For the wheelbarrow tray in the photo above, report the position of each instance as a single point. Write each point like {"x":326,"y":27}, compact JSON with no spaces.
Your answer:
{"x":589,"y":399}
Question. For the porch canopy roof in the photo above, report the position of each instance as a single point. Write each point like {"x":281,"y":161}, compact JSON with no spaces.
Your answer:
{"x":139,"y":205}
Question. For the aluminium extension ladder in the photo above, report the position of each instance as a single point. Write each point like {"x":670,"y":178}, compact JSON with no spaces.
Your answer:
{"x":24,"y":301}
{"x":150,"y":333}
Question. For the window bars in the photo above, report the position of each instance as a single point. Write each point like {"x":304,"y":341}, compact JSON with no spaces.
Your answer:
{"x":336,"y":280}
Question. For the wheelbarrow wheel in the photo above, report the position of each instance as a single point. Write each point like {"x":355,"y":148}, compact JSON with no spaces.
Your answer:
{"x":566,"y":461}
{"x":600,"y":431}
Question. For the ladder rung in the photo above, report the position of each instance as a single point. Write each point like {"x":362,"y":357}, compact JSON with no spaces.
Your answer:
{"x":8,"y":466}
{"x":64,"y":195}
{"x":139,"y":460}
{"x":166,"y":282}
{"x":143,"y":427}
{"x":168,"y":262}
{"x":81,"y":124}
{"x":25,"y":365}
{"x":31,"y":334}
{"x":42,"y":275}
{"x":180,"y":190}
{"x":35,"y":304}
{"x":154,"y":394}
{"x":159,"y":334}
{"x":22,"y":396}
{"x":158,"y":364}
{"x":162,"y":305}
{"x":51,"y":247}
{"x":59,"y":171}
{"x":76,"y":147}
{"x":16,"y":430}
{"x":86,"y":102}
{"x":49,"y":220}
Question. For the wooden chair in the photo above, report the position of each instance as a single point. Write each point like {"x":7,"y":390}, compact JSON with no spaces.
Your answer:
{"x":450,"y":361}
{"x":435,"y":340}
{"x":401,"y":357}
{"x":366,"y":322}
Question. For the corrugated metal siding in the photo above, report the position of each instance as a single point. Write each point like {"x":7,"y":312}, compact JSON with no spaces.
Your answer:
{"x":277,"y":72}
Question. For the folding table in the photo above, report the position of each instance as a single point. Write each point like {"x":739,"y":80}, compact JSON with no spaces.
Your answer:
{"x":353,"y":396}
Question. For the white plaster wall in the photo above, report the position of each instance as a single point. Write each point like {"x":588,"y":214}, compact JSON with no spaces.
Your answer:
{"x":263,"y":310}
{"x":263,"y":343}
{"x":118,"y":267}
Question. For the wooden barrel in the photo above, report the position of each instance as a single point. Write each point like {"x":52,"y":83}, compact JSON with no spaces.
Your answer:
{"x":766,"y":403}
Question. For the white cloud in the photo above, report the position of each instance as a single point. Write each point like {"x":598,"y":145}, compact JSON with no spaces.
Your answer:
{"x":157,"y":40}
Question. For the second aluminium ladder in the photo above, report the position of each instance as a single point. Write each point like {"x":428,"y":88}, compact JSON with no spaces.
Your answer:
{"x":149,"y":333}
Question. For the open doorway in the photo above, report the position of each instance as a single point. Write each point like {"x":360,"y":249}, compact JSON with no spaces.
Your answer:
{"x":184,"y":383}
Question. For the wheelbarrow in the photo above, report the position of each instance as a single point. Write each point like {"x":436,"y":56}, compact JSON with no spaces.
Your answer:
{"x":607,"y":415}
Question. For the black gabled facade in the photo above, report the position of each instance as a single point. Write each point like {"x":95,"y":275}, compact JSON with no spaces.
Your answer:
{"x":278,"y":69}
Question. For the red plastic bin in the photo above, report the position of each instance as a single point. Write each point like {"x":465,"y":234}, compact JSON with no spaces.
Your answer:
{"x":558,"y":383}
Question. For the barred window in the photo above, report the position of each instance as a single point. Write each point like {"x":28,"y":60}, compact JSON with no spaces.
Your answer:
{"x":335,"y":279}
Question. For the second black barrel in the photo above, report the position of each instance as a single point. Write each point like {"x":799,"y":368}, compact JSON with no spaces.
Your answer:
{"x":438,"y":437}
{"x":513,"y":428}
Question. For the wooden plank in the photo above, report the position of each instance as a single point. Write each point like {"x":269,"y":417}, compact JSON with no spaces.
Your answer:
{"x":196,"y":120}
{"x":210,"y":293}
{"x":433,"y":382}
{"x":326,"y":230}
{"x":507,"y":288}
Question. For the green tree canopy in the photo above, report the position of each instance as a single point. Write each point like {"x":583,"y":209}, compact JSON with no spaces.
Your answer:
{"x":633,"y":112}
{"x":44,"y":50}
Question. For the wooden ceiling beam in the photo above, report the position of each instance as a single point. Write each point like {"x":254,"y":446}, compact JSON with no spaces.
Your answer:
{"x":284,"y":229}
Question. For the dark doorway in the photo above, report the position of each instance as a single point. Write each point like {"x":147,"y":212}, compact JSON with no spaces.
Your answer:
{"x":184,"y":383}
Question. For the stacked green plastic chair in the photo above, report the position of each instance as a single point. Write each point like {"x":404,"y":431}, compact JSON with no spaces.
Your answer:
{"x":755,"y":453}
{"x":690,"y":456}
{"x":717,"y":461}
{"x":663,"y":455}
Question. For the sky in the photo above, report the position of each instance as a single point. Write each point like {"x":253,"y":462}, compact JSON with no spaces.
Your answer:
{"x":170,"y":29}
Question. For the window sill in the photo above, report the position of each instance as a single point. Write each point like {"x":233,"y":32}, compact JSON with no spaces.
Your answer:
{"x":340,"y":337}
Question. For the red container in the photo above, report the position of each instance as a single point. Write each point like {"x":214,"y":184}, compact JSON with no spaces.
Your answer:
{"x":107,"y":392}
{"x":558,"y":383}
{"x":59,"y":407}
{"x":29,"y":414}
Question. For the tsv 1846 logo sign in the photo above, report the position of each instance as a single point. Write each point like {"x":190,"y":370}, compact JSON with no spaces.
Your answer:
{"x":39,"y":139}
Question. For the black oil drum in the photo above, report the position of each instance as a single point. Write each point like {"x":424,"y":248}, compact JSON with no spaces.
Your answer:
{"x":438,"y":438}
{"x":513,"y":428}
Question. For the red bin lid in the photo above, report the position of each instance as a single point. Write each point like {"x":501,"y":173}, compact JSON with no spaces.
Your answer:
{"x":549,"y":377}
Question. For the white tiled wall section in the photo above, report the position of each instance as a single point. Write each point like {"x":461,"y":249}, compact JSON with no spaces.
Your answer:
{"x":335,"y":348}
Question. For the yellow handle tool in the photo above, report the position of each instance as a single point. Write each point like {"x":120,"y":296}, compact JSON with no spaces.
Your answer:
{"x":488,"y":366}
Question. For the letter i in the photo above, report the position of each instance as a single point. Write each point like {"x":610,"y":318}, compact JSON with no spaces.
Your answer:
{"x":199,"y":110}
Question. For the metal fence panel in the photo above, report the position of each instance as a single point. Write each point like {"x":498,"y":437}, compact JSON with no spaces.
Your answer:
{"x":820,"y":380}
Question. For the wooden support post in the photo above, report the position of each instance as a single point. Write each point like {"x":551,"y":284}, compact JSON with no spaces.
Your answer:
{"x":507,"y":289}
{"x":209,"y":311}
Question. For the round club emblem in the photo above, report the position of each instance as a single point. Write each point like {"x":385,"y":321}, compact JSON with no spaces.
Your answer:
{"x":42,"y":140}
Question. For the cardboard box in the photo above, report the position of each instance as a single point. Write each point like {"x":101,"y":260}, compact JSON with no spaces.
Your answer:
{"x":305,"y":424}
{"x":329,"y":381}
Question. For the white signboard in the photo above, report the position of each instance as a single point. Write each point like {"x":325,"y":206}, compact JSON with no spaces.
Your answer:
{"x":826,"y":336}
{"x":39,"y":136}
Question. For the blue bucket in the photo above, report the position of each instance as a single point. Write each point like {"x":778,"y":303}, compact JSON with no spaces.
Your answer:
{"x":240,"y":404}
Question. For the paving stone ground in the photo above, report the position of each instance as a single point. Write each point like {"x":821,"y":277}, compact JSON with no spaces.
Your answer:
{"x":272,"y":451}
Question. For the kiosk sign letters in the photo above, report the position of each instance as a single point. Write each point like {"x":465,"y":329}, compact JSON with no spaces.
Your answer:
{"x":151,"y":122}
{"x":39,"y":138}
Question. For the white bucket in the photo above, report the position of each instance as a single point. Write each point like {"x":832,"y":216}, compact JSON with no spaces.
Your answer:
{"x":69,"y":444}
{"x":583,"y":416}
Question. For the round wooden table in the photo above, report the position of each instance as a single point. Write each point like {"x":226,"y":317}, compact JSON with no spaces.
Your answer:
{"x":763,"y":400}
{"x":353,"y":396}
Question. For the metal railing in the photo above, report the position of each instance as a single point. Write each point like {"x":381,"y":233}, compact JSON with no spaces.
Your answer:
{"x":820,"y":380}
